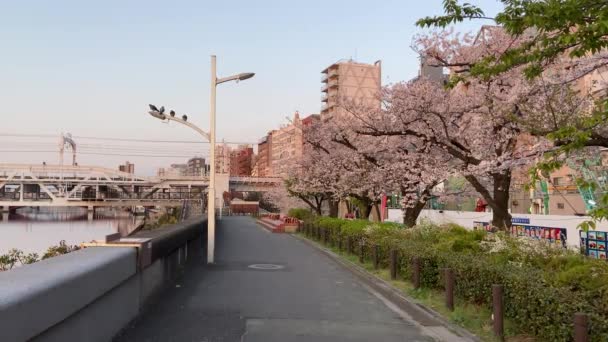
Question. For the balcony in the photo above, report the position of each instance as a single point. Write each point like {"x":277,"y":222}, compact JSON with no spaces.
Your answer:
{"x":324,"y":88}
{"x":332,"y":84}
{"x":324,"y":98}
{"x":332,"y":73}
{"x":324,"y":77}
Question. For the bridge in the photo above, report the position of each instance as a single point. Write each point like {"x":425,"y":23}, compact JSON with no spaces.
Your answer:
{"x":92,"y":186}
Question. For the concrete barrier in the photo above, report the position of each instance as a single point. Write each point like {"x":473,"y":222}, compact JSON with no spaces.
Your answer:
{"x":467,"y":219}
{"x":93,"y":293}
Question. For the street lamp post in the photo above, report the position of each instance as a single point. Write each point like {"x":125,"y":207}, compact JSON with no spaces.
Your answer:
{"x":159,"y":114}
{"x":211,"y":192}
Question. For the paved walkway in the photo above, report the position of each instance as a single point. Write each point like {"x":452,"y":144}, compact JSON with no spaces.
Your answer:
{"x":310,"y":298}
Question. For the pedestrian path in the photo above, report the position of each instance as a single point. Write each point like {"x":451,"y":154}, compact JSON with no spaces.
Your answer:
{"x":269,"y":287}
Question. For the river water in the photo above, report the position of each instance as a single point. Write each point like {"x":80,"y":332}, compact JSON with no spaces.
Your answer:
{"x":33,"y":230}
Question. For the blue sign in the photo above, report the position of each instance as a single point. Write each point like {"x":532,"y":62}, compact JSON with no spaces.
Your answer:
{"x":520,"y":220}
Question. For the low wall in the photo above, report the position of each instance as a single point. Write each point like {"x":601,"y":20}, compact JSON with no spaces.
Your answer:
{"x":93,"y":293}
{"x":466,"y":219}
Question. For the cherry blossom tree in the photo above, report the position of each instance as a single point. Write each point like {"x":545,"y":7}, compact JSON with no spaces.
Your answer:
{"x":475,"y":123}
{"x":364,"y":167}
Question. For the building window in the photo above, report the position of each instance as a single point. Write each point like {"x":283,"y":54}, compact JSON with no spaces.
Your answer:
{"x":560,"y":205}
{"x":557,"y":181}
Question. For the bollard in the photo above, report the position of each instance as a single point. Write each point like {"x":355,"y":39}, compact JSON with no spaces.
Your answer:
{"x":581,"y":328}
{"x":376,"y":256}
{"x":361,"y":252}
{"x":449,"y":289}
{"x":416,"y":272}
{"x":497,"y":307}
{"x":394,"y":259}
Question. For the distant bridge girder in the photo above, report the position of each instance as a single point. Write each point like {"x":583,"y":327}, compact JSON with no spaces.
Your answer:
{"x":73,"y":185}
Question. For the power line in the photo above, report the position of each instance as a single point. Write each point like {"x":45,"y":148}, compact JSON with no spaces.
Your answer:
{"x":102,"y":154}
{"x":128,"y":139}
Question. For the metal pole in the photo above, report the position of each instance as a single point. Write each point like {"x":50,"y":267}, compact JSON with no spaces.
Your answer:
{"x":221,"y":206}
{"x":211,"y":193}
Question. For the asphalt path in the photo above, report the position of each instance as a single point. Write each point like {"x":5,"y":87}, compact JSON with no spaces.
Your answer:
{"x":269,"y":287}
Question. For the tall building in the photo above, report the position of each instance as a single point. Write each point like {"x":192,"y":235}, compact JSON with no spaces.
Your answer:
{"x":264,"y":159}
{"x":286,"y":149}
{"x":240,"y":161}
{"x":175,"y":170}
{"x":196,"y":167}
{"x":222,"y":158}
{"x":127,"y":167}
{"x":350,"y":81}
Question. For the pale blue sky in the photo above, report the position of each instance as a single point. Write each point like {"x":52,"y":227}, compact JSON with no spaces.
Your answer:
{"x":91,"y":68}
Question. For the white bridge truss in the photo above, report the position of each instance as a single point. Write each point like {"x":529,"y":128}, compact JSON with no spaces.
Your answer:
{"x":91,"y":186}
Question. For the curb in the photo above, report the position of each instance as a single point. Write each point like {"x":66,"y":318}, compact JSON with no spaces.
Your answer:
{"x":423,"y":315}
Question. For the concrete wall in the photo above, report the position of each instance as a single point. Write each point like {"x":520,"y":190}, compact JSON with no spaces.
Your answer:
{"x":92,"y":294}
{"x":466,"y":219}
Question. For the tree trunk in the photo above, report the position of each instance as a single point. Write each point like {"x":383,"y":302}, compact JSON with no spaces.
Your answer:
{"x":410,"y":216}
{"x":319,"y":205}
{"x":366,"y":209}
{"x":318,"y":210}
{"x":376,"y":208}
{"x":501,"y":218}
{"x":333,"y":207}
{"x":498,"y":200}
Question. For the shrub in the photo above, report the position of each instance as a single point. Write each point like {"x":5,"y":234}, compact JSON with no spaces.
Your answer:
{"x":544,"y":285}
{"x":301,"y":214}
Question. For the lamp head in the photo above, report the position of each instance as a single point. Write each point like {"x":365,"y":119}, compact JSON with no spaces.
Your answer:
{"x":245,"y":76}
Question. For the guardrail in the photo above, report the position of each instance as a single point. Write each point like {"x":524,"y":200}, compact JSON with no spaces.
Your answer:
{"x":93,"y":293}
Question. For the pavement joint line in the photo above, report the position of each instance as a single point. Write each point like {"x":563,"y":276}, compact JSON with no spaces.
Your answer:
{"x":385,"y":289}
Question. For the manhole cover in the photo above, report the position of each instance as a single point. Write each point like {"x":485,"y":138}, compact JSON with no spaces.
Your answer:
{"x":265,"y":267}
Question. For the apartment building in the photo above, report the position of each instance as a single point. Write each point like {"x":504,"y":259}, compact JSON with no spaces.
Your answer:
{"x":264,"y":159}
{"x":222,"y":158}
{"x":174,"y":170}
{"x":286,"y":149}
{"x":241,"y":160}
{"x":347,"y":81}
{"x":196,"y":167}
{"x":127,"y":167}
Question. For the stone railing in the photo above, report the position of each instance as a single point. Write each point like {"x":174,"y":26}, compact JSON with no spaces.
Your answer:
{"x":93,"y":293}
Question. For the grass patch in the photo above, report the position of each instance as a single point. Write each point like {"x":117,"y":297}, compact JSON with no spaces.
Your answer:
{"x":474,"y":318}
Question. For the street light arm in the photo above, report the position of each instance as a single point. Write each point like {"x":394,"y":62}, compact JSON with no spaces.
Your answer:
{"x":183,"y":122}
{"x":191,"y":125}
{"x":239,"y":77}
{"x":227,"y":79}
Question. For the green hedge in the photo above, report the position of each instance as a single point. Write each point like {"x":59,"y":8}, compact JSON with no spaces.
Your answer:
{"x":301,"y":214}
{"x":544,"y":286}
